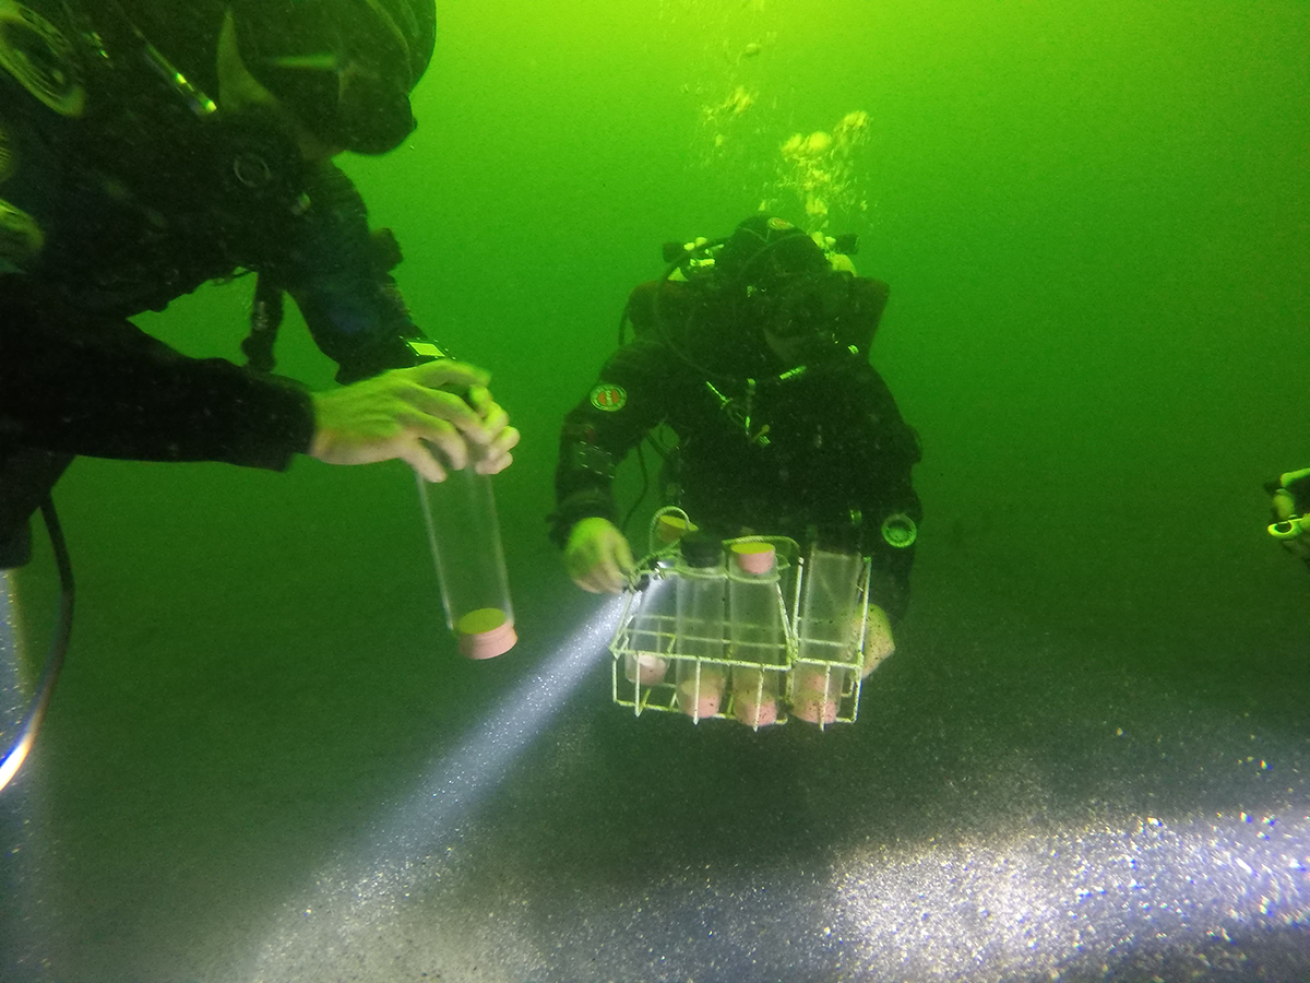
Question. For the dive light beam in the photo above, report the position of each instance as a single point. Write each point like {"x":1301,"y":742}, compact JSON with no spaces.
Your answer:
{"x":367,"y":877}
{"x":487,"y":754}
{"x":25,"y":923}
{"x":11,"y":699}
{"x":54,"y":663}
{"x":1127,"y":899}
{"x":1206,"y":892}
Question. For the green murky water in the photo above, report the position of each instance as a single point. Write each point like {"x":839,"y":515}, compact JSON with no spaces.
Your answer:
{"x":1095,"y":220}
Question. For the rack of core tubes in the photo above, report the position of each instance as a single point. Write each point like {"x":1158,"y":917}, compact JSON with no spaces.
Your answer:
{"x":748,"y":629}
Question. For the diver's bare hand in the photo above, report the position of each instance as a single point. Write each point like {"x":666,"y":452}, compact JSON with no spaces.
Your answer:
{"x":878,"y":641}
{"x":597,"y":556}
{"x":495,"y":456}
{"x":1291,"y":500}
{"x":397,"y":414}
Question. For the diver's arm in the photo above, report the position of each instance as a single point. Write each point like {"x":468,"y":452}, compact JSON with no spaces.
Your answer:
{"x":629,"y":399}
{"x":596,"y":436}
{"x":77,"y":384}
{"x":339,"y":274}
{"x":891,"y":451}
{"x":598,"y":557}
{"x":408,"y":413}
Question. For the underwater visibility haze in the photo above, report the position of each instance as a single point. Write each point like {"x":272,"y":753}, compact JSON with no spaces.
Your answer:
{"x":1087,"y":759}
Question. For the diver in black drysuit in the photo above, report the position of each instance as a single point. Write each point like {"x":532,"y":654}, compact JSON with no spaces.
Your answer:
{"x":123,"y":186}
{"x":820,"y":455}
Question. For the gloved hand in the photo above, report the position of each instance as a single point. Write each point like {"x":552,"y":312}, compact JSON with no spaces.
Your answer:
{"x":597,"y":556}
{"x":1290,"y":494}
{"x":399,"y":413}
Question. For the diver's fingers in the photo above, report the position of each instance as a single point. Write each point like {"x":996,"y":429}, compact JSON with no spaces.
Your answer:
{"x":417,"y":455}
{"x":616,"y":557}
{"x":595,"y":580}
{"x":591,"y":585}
{"x":494,"y":465}
{"x":446,"y":444}
{"x":374,"y":419}
{"x":494,"y":418}
{"x":1292,"y":477}
{"x":609,"y":576}
{"x":601,"y":576}
{"x":448,"y":373}
{"x":479,"y":397}
{"x":623,"y":558}
{"x":593,"y":554}
{"x":878,"y":640}
{"x":447,"y":406}
{"x":497,"y":457}
{"x":1284,"y":504}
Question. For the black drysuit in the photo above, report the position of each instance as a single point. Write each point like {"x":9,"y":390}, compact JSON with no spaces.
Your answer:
{"x":827,"y":457}
{"x":120,"y":190}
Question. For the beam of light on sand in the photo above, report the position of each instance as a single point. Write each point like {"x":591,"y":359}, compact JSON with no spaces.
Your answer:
{"x":12,"y":700}
{"x":1202,"y":896}
{"x":363,"y":888}
{"x":1015,"y":894}
{"x":486,"y":755}
{"x":1177,"y":895}
{"x":20,"y":880}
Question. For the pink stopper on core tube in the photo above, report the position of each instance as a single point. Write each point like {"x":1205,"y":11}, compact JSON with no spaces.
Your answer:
{"x":813,"y":708}
{"x":755,"y":714}
{"x":756,"y":558}
{"x":485,"y":634}
{"x":811,"y":699}
{"x":649,"y":670}
{"x":704,"y":703}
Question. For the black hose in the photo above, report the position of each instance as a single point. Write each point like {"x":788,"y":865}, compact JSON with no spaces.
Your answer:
{"x":54,"y":662}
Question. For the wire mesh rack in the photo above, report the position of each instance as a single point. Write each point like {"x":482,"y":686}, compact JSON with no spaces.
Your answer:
{"x":807,"y":664}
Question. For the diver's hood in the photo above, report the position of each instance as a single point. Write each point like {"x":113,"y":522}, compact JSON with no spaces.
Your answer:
{"x":345,"y":68}
{"x":764,"y":251}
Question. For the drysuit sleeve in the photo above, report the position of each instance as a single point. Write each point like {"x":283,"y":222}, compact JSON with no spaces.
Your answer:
{"x":890,"y":452}
{"x":339,"y":275}
{"x":76,"y":383}
{"x":630,"y":398}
